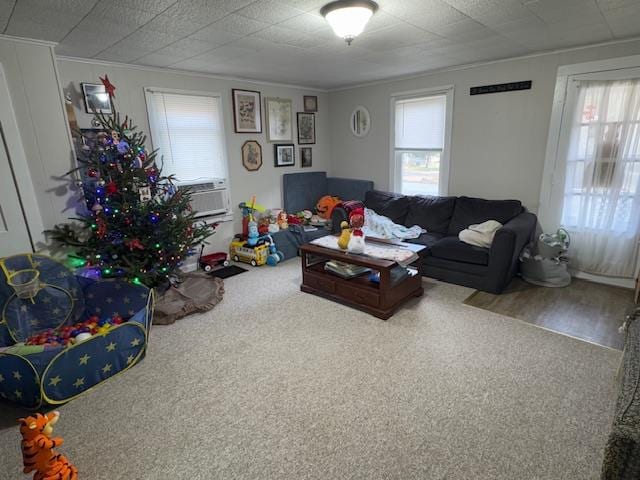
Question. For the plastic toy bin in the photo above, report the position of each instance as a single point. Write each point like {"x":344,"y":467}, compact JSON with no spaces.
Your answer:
{"x":58,"y":374}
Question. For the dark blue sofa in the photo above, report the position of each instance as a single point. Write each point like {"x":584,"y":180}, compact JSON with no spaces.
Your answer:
{"x":449,"y":259}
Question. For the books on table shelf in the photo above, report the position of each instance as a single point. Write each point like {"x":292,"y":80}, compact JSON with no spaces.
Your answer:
{"x":345,"y":270}
{"x":397,"y":274}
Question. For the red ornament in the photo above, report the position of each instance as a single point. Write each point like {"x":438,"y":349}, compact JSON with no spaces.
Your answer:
{"x":102,"y":227}
{"x":134,"y":243}
{"x":111,"y":188}
{"x":92,"y":172}
{"x":108,"y":86}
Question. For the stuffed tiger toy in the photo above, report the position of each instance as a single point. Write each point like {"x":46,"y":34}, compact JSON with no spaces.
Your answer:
{"x":37,"y":449}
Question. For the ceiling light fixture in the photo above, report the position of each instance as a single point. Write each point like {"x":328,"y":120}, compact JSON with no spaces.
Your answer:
{"x":348,"y":17}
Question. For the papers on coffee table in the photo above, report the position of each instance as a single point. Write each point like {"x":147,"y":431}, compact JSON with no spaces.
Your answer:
{"x":395,"y":253}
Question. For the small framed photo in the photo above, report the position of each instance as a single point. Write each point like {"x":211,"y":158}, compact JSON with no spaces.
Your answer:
{"x":306,"y":128}
{"x":305,"y":157}
{"x":96,"y":99}
{"x":284,"y":155}
{"x":279,"y":118}
{"x":251,"y":155}
{"x":310,"y":103}
{"x":247,"y":113}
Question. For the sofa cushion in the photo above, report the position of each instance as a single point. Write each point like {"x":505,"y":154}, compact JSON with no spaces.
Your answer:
{"x":431,"y":213}
{"x":427,"y":239}
{"x":451,"y":248}
{"x":391,"y":205}
{"x":469,"y":211}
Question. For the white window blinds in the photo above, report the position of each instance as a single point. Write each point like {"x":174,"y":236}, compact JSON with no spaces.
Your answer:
{"x":187,"y":131}
{"x":420,"y":123}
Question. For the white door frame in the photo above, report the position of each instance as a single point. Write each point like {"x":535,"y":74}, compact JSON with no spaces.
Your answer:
{"x":445,"y":160}
{"x":18,"y":161}
{"x":552,"y":179}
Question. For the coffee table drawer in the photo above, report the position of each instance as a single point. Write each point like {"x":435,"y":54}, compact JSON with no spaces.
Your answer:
{"x":320,"y":282}
{"x":359,"y":295}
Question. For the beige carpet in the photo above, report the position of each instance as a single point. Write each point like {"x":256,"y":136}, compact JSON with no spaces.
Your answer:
{"x":277,"y":384}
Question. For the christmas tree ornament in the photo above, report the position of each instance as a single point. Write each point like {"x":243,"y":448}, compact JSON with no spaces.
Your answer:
{"x":145,"y":193}
{"x":93,"y":172}
{"x":97,"y":208}
{"x":101,"y":183}
{"x":108,"y":86}
{"x":111,"y":188}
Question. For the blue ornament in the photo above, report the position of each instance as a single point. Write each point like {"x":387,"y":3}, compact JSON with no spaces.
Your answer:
{"x":123,"y":147}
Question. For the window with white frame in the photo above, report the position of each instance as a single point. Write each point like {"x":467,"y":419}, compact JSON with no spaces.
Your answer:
{"x":187,"y":131}
{"x":419,"y":145}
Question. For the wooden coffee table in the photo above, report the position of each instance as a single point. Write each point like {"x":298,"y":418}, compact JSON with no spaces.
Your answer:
{"x":379,"y":299}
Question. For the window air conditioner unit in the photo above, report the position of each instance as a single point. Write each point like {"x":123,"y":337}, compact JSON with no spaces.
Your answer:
{"x":209,"y":198}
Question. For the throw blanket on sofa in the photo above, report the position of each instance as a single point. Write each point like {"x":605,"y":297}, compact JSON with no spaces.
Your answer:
{"x":481,"y":234}
{"x":378,"y":226}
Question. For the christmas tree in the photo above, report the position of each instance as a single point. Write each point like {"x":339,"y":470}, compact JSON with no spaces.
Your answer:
{"x":137,"y":224}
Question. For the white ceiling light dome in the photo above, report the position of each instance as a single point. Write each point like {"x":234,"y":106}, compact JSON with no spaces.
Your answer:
{"x":348,"y":17}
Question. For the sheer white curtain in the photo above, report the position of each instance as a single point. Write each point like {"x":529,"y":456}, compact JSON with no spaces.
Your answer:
{"x":602,"y":185}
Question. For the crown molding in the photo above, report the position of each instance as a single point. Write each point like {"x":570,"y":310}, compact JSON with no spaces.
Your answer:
{"x":466,"y":66}
{"x":191,"y":73}
{"x":32,"y":41}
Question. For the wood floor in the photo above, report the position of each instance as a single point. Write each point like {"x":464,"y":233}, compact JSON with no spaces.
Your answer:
{"x":586,"y":310}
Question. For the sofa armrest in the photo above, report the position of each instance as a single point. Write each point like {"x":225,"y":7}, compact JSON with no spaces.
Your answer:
{"x":338,"y":215}
{"x":508,"y":244}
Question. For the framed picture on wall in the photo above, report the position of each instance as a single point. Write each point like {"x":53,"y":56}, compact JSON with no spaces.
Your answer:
{"x":306,"y":128}
{"x":251,"y":155}
{"x":247,"y":114}
{"x":96,"y":99}
{"x":279,"y":117}
{"x":310,"y":103}
{"x":305,"y":157}
{"x":284,"y":155}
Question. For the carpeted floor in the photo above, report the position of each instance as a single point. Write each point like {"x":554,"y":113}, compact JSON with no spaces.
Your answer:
{"x":277,"y":384}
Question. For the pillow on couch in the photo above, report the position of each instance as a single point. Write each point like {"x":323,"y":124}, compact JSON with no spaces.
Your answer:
{"x":470,"y":211}
{"x":431,"y":213}
{"x":390,"y":205}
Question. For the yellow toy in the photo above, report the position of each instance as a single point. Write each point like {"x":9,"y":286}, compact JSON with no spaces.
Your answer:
{"x":345,"y":236}
{"x":240,"y":251}
{"x":37,"y":449}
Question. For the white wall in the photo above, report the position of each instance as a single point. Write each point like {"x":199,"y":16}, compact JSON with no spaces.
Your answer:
{"x":31,"y":75}
{"x":498,"y":141}
{"x":266,"y":183}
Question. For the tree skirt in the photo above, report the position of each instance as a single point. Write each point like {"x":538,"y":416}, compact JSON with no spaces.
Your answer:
{"x":197,"y":293}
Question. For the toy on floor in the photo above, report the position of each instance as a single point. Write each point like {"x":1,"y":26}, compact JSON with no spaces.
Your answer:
{"x":343,"y":239}
{"x":275,"y":255}
{"x":325,"y":206}
{"x":212,"y":261}
{"x":240,"y":251}
{"x":356,"y":242}
{"x":37,"y":449}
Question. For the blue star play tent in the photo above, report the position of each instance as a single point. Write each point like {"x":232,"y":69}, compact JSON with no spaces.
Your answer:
{"x":36,"y":294}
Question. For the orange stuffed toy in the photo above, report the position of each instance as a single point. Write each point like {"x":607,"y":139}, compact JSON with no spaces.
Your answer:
{"x":37,"y":449}
{"x":325,"y":206}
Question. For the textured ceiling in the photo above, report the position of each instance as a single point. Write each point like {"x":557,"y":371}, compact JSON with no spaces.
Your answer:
{"x":288,"y":41}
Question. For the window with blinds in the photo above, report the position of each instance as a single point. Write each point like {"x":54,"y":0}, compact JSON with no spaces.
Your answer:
{"x":187,"y":131}
{"x":419,"y":143}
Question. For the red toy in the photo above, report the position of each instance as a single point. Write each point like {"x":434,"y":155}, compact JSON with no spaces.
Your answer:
{"x":209,"y":262}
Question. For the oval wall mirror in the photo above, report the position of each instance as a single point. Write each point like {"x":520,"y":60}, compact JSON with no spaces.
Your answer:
{"x":360,"y":121}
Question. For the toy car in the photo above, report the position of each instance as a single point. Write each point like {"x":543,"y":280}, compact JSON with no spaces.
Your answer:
{"x":241,"y":252}
{"x":213,"y":260}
